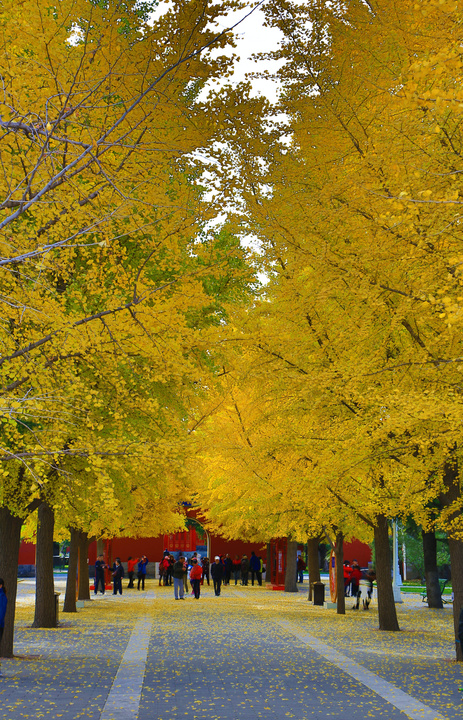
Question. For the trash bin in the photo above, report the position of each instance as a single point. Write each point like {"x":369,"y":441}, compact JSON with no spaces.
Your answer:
{"x":318,"y":593}
{"x":57,"y":594}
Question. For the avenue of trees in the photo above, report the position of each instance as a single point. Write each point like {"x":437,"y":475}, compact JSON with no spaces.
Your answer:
{"x":342,"y":391}
{"x":141,"y":362}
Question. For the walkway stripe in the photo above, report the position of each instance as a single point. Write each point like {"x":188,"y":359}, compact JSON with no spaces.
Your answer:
{"x":124,"y":697}
{"x":398,"y":698}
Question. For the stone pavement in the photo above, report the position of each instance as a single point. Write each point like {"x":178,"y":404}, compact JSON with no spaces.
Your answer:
{"x":251,"y":653}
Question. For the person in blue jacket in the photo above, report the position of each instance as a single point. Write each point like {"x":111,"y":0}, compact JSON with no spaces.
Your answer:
{"x":254,"y":565}
{"x":142,"y":572}
{"x":3,"y":604}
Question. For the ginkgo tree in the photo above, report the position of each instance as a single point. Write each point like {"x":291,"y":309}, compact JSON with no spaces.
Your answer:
{"x":109,"y":268}
{"x":362,"y":237}
{"x":358,"y":216}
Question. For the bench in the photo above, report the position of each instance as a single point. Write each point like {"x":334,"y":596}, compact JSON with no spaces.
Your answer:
{"x":442,"y":584}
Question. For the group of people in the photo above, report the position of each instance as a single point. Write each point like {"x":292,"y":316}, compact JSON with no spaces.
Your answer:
{"x":352,"y":577}
{"x":117,"y":573}
{"x":181,"y":570}
{"x":238,"y":568}
{"x":197,"y":570}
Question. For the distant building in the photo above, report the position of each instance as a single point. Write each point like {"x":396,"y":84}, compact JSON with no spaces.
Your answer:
{"x":196,"y":538}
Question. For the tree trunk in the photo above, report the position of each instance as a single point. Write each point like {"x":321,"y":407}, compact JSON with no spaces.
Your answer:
{"x":387,"y":614}
{"x":339,"y":556}
{"x":430,"y":570}
{"x":291,"y":567}
{"x":268,"y":570}
{"x":44,"y":582}
{"x":313,"y":563}
{"x":456,"y":564}
{"x":70,"y":597}
{"x":452,"y":497}
{"x":84,"y":582}
{"x":10,"y":540}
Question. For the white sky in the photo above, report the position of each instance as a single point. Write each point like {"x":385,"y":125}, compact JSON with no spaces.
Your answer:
{"x":252,"y":37}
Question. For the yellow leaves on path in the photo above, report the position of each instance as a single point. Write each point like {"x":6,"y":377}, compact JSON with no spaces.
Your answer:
{"x":242,"y":640}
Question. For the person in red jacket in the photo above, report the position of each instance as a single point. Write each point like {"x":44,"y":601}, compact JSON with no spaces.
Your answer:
{"x":195,"y":577}
{"x":347,"y":577}
{"x":236,"y":569}
{"x":163,"y":568}
{"x":131,"y":570}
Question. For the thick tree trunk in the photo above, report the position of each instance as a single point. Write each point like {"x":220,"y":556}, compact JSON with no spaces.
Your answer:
{"x":430,"y":570}
{"x":71,"y":594}
{"x":387,"y":614}
{"x":291,"y":567}
{"x":268,"y":570}
{"x":313,"y":563}
{"x":452,"y":497}
{"x":339,"y":556}
{"x":84,"y":583}
{"x":456,"y":564}
{"x":44,"y":582}
{"x":10,"y":539}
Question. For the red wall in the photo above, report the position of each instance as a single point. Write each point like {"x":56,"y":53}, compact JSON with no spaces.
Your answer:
{"x":26,"y":553}
{"x":220,"y":546}
{"x":359,"y":551}
{"x":153,"y":548}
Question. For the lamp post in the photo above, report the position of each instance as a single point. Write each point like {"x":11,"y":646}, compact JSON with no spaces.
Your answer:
{"x":404,"y":556}
{"x":396,"y":579}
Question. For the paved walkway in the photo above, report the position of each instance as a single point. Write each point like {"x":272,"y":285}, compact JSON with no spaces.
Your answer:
{"x":251,"y":653}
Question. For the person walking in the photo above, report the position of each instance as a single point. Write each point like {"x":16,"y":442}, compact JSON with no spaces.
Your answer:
{"x":227,"y":569}
{"x":347,"y":570}
{"x":195,"y":577}
{"x":300,"y":567}
{"x":262,"y":569}
{"x":185,"y":574}
{"x":141,"y":574}
{"x":244,"y":570}
{"x":99,"y":574}
{"x":170,"y":569}
{"x":355,"y":577}
{"x":177,"y":572}
{"x":217,"y":574}
{"x":254,"y":564}
{"x":163,"y":569}
{"x":236,"y":569}
{"x":118,"y":574}
{"x":131,"y":570}
{"x":205,"y":567}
